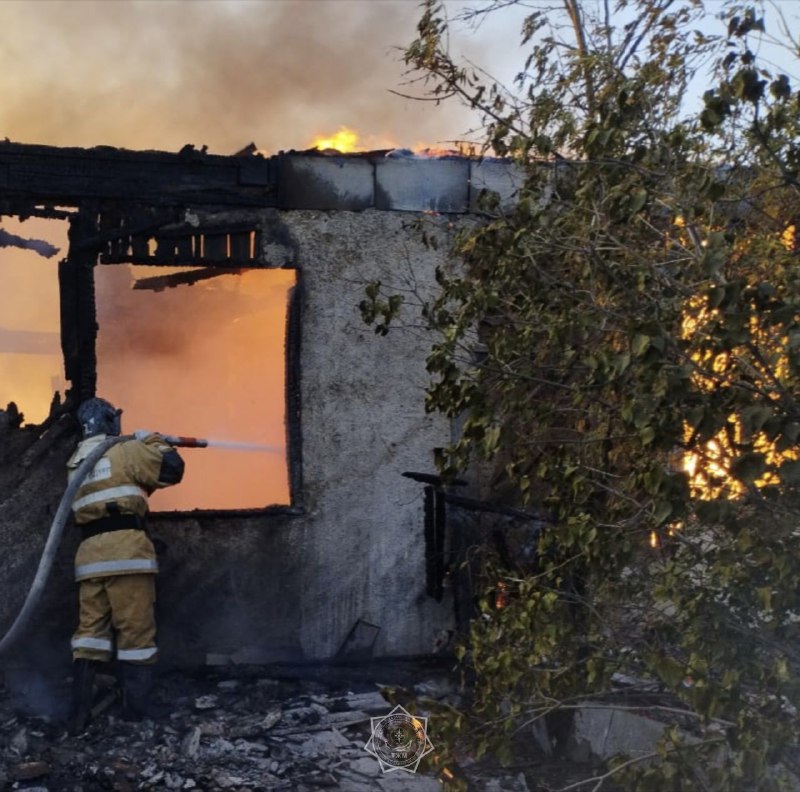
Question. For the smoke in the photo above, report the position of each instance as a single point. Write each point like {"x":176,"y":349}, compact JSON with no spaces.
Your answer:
{"x":158,"y":75}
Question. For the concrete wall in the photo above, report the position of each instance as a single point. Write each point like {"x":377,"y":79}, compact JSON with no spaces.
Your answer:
{"x":287,"y":586}
{"x":398,"y":182}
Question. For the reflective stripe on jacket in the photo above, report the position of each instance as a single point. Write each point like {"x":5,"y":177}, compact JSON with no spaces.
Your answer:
{"x":106,"y":495}
{"x":119,"y":484}
{"x":110,"y":568}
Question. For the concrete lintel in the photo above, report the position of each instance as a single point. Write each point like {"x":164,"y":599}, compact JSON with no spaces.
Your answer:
{"x":503,"y":178}
{"x":419,"y":185}
{"x":325,"y":182}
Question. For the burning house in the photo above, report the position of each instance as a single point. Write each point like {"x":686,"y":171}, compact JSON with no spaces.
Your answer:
{"x":218,"y":296}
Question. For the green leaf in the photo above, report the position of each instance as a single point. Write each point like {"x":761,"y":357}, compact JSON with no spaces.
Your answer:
{"x":755,"y":416}
{"x":638,"y":200}
{"x":781,"y":88}
{"x":789,"y":472}
{"x":749,"y":467}
{"x":662,"y":512}
{"x":640,"y":344}
{"x":671,"y":671}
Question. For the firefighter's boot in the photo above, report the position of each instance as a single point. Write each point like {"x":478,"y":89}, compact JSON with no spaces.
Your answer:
{"x":137,"y":693}
{"x":83,"y":676}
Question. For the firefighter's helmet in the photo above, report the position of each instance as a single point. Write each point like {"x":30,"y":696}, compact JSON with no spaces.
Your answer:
{"x":97,"y":416}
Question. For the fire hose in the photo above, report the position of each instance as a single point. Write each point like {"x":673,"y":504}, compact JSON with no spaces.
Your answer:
{"x":57,"y":529}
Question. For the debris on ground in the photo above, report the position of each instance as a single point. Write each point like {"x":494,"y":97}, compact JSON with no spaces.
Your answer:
{"x":233,"y":729}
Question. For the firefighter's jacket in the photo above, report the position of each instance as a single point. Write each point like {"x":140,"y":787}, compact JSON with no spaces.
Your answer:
{"x":119,"y":485}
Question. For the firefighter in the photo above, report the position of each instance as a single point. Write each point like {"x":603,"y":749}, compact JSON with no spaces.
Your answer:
{"x":115,"y":564}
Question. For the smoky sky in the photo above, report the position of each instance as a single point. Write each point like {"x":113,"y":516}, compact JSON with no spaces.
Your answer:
{"x":142,"y":74}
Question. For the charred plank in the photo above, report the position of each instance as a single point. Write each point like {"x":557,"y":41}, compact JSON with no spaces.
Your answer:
{"x":71,"y":176}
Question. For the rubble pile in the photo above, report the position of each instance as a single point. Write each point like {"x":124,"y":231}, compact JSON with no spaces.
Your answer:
{"x":246,"y":732}
{"x":244,"y":728}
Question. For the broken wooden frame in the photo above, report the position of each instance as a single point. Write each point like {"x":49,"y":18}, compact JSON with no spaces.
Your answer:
{"x":148,"y":208}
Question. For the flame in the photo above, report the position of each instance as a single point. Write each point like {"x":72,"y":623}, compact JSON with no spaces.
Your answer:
{"x":501,"y":595}
{"x":654,"y":540}
{"x":344,"y":139}
{"x":460,"y":148}
{"x":789,"y":237}
{"x":347,"y":140}
{"x":708,"y":468}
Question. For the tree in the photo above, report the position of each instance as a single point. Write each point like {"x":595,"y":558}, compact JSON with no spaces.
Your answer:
{"x":623,"y":345}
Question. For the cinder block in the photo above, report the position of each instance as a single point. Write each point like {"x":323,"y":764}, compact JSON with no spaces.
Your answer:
{"x":316,"y":181}
{"x":607,"y":732}
{"x":503,"y":178}
{"x":411,"y":184}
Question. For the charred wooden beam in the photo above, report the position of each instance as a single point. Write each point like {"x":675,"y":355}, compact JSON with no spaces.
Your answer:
{"x":78,"y":310}
{"x":73,"y":176}
{"x":161,"y":282}
{"x":294,"y":434}
{"x":39,"y":246}
{"x":165,"y":240}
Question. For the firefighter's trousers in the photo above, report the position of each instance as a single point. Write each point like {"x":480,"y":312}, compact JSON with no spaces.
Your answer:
{"x":121,"y":607}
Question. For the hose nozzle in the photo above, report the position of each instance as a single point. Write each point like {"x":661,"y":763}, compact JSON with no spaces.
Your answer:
{"x":186,"y":442}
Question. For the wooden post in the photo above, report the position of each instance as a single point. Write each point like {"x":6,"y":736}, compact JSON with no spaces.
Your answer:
{"x":78,"y":311}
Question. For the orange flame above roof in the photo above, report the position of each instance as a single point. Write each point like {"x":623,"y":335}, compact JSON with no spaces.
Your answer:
{"x":344,"y":139}
{"x":347,"y":140}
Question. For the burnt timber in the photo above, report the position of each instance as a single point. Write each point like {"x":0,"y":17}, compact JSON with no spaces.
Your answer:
{"x":32,"y":175}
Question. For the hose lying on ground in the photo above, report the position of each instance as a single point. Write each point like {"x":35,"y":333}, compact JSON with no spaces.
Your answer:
{"x":53,"y":540}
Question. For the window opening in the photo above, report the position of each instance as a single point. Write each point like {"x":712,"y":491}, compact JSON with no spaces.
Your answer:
{"x":203,"y":357}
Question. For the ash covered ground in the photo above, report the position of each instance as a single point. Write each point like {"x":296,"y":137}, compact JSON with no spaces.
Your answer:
{"x":234,"y":729}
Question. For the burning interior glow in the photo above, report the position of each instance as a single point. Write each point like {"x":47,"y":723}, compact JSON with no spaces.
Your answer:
{"x":205,"y":360}
{"x":501,"y":595}
{"x":709,"y":468}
